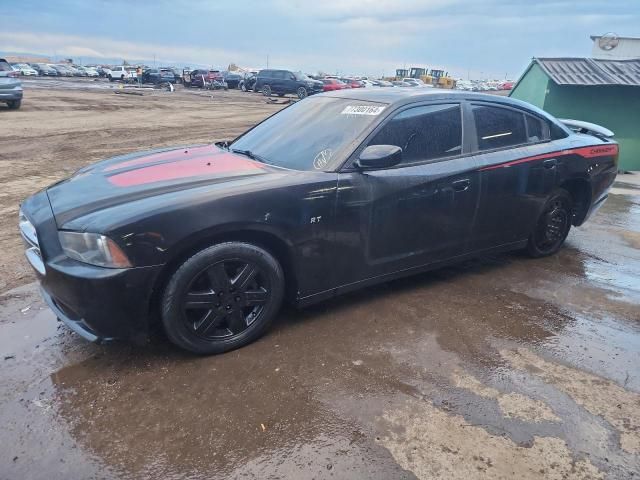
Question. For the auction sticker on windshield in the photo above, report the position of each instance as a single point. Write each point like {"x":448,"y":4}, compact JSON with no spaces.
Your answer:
{"x":362,"y":110}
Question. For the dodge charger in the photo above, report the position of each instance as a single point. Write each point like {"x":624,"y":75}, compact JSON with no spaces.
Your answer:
{"x":333,"y":193}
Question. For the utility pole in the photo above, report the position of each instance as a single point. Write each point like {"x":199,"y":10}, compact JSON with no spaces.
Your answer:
{"x":267,"y":60}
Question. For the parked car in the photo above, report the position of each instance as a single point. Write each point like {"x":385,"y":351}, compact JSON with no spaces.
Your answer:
{"x":506,"y":85}
{"x":331,"y":84}
{"x":25,"y":69}
{"x":62,"y":70}
{"x":10,"y":86}
{"x":399,"y":83}
{"x":384,"y":83}
{"x":352,"y":82}
{"x":177,"y":74}
{"x":88,"y":71}
{"x":283,"y":82}
{"x":201,"y":78}
{"x":102,"y":70}
{"x":340,"y":191}
{"x":76,"y":72}
{"x":248,"y":81}
{"x":158,"y":75}
{"x":232,"y":79}
{"x":44,"y":70}
{"x":121,"y":72}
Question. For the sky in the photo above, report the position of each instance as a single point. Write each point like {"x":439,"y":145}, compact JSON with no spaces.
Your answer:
{"x":468,"y":38}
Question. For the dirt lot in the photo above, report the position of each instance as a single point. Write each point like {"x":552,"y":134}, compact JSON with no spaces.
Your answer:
{"x":503,"y":367}
{"x":58,"y":130}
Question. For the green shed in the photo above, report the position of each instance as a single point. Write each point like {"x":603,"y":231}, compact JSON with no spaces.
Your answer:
{"x":605,"y":92}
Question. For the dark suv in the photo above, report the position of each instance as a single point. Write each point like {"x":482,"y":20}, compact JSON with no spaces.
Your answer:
{"x":282,"y":82}
{"x":10,"y":86}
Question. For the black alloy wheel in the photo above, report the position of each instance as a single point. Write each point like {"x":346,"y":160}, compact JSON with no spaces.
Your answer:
{"x":225,"y":299}
{"x":552,"y":227}
{"x":222,"y":298}
{"x":302,"y":93}
{"x":266,"y":91}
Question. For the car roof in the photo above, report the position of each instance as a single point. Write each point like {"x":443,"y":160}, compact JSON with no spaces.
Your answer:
{"x":399,"y":96}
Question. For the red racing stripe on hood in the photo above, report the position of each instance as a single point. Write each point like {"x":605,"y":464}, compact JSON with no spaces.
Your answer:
{"x":191,"y":167}
{"x":173,"y":154}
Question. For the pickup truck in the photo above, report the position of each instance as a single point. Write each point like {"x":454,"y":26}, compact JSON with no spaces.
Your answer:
{"x":121,"y":73}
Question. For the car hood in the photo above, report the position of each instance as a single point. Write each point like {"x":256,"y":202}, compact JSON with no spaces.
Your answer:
{"x":140,"y":175}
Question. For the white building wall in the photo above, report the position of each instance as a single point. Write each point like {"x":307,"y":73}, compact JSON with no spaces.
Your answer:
{"x":627,"y":48}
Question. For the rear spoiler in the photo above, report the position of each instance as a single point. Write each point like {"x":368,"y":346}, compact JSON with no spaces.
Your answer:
{"x":586,"y":127}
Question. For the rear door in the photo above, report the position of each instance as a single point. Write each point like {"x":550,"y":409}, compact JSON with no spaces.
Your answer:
{"x":419,"y":212}
{"x":278,"y":81}
{"x":515,"y":182}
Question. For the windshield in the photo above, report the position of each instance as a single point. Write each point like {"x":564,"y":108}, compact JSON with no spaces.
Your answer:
{"x":311,"y":134}
{"x":300,"y":76}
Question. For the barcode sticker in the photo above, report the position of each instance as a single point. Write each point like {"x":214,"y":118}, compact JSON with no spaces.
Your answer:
{"x":362,"y":110}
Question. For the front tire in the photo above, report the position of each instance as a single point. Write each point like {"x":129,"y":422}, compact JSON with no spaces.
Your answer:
{"x":266,"y":91}
{"x":552,"y":227}
{"x":14,"y":104}
{"x":222,"y":298}
{"x":302,"y":93}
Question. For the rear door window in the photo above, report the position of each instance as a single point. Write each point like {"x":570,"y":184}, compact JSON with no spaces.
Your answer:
{"x":424,"y":133}
{"x":537,"y":129}
{"x":498,"y":127}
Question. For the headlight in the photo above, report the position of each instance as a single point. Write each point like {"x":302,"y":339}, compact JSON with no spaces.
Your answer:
{"x":94,"y":249}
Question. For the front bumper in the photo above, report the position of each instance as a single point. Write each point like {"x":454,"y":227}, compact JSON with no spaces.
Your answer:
{"x":98,"y":303}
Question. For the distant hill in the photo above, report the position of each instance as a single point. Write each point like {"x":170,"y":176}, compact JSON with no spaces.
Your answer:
{"x":29,"y":57}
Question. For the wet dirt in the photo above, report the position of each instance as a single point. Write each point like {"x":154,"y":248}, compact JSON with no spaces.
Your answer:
{"x":502,"y":367}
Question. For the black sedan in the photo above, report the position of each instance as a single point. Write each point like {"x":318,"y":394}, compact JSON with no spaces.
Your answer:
{"x":158,"y":75}
{"x":356,"y":188}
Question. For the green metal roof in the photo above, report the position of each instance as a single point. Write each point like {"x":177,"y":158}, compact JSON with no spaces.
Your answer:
{"x":591,"y":71}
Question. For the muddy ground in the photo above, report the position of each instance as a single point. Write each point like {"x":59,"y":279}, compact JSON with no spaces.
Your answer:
{"x":503,"y":367}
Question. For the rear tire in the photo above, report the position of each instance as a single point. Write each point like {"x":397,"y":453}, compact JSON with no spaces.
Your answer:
{"x":552,"y":227}
{"x":14,"y":104}
{"x":222,"y":298}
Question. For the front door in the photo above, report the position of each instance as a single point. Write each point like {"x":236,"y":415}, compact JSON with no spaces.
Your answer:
{"x":419,"y":212}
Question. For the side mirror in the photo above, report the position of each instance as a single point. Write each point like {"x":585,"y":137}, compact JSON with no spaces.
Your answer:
{"x":379,"y":156}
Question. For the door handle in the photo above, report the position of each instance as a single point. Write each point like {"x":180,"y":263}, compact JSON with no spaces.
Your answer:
{"x":461,"y":185}
{"x":551,"y":163}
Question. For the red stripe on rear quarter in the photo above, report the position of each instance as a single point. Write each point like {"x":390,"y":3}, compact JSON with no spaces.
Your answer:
{"x":194,"y":167}
{"x":586,"y":152}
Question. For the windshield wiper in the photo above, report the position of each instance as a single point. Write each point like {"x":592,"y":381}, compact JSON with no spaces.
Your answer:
{"x":250,"y":154}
